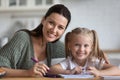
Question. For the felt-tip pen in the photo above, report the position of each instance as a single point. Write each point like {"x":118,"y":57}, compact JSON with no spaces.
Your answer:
{"x":34,"y":60}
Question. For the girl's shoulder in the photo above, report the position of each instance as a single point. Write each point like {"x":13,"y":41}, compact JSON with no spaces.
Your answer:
{"x":65,"y":61}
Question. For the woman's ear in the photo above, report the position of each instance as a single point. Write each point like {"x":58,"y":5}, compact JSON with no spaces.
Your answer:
{"x":42,"y":21}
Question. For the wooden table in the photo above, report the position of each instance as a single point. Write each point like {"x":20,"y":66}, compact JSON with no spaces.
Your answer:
{"x":44,"y":78}
{"x":31,"y":78}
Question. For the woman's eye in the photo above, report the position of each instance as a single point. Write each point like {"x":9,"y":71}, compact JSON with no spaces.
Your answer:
{"x":51,"y":23}
{"x":61,"y":28}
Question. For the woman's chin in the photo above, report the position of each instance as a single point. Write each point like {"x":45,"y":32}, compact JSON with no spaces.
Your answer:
{"x":51,"y":40}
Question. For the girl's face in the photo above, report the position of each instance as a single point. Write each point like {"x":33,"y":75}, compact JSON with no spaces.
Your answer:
{"x":53,"y":27}
{"x":80,"y":46}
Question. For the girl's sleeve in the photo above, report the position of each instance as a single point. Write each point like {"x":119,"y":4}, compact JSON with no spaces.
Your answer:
{"x":64,"y":63}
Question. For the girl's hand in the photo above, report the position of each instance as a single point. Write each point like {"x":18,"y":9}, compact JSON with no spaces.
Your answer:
{"x":93,"y":70}
{"x":76,"y":70}
{"x":39,"y":69}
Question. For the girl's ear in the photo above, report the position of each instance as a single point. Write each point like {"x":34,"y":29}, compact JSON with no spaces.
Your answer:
{"x":92,"y":47}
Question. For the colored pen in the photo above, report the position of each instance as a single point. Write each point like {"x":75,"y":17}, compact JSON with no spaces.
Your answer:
{"x":83,"y":70}
{"x":34,"y":60}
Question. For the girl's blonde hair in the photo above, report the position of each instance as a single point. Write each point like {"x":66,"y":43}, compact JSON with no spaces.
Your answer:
{"x":92,"y":35}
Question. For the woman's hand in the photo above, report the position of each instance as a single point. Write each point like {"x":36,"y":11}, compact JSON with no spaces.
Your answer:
{"x":39,"y":69}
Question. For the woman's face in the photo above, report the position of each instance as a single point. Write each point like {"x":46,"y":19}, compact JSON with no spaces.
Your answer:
{"x":80,"y":46}
{"x":53,"y":27}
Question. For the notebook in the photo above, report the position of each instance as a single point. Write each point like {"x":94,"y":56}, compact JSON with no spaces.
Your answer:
{"x":76,"y":76}
{"x":111,"y":77}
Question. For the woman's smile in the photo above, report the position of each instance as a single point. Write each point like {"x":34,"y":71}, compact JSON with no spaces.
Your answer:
{"x":51,"y":34}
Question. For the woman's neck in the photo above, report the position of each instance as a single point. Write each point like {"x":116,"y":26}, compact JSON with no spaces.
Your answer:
{"x":39,"y":48}
{"x":41,"y":41}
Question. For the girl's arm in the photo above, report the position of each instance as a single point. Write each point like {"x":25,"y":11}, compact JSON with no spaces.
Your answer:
{"x":108,"y":70}
{"x":106,"y":58}
{"x":57,"y":69}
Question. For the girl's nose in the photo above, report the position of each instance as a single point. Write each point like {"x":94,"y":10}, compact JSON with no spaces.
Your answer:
{"x":81,"y":48}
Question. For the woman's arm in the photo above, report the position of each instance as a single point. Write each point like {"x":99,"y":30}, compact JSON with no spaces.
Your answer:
{"x":39,"y":69}
{"x":16,"y":72}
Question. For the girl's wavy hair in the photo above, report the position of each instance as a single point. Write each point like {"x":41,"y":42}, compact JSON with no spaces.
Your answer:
{"x":92,"y":35}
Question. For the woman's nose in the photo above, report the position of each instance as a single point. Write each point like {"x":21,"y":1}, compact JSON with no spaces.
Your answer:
{"x":54,"y":29}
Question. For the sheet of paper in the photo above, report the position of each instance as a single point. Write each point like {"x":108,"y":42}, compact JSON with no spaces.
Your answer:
{"x":77,"y":76}
{"x":111,"y":77}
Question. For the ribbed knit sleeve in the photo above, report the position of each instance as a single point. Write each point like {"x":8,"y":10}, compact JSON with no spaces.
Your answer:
{"x":11,"y":53}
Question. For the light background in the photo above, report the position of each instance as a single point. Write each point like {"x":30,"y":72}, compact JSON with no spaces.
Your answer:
{"x":100,"y":15}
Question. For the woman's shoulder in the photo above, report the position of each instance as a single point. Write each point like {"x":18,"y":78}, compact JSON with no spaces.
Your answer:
{"x":57,"y":45}
{"x":60,"y":43}
{"x":21,"y":35}
{"x":57,"y":49}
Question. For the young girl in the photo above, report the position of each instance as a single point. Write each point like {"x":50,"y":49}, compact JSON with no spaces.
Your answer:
{"x":83,"y":55}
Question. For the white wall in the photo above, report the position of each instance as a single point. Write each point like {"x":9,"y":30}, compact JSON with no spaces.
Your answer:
{"x":101,"y":15}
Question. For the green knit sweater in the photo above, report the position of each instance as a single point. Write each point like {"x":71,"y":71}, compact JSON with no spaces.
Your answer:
{"x":17,"y":53}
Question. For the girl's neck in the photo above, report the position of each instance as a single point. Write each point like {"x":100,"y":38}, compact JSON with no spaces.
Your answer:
{"x":81,"y":62}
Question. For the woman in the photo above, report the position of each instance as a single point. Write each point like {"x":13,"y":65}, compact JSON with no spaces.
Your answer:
{"x":29,"y":53}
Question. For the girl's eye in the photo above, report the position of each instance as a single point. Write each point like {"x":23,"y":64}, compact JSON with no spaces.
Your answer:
{"x":77,"y":44}
{"x":86,"y":45}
